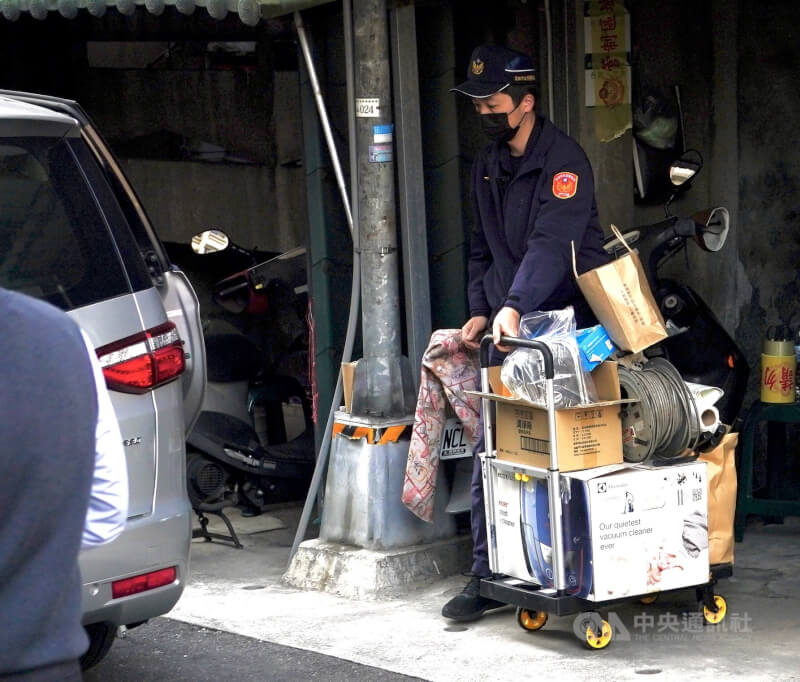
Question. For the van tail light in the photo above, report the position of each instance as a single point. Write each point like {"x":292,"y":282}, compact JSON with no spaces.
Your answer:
{"x":140,"y":363}
{"x":144,"y":582}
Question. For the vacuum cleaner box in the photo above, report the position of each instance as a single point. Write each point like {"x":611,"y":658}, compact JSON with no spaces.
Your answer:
{"x":648,"y":528}
{"x":586,"y":436}
{"x":522,"y":530}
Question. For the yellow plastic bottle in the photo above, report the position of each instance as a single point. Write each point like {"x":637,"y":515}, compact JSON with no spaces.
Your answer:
{"x":778,"y":368}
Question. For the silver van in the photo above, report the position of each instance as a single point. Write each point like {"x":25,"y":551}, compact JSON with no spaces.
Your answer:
{"x":73,"y":233}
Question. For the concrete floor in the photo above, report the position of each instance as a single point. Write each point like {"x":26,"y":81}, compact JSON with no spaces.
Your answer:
{"x":240,"y":591}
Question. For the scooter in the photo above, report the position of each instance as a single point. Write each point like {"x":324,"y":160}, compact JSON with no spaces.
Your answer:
{"x":241,"y":450}
{"x":698,"y":346}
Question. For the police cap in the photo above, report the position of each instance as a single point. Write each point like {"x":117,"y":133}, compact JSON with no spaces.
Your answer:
{"x":492,"y":68}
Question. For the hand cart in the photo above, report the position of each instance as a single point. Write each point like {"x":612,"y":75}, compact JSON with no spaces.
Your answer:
{"x":535,"y":602}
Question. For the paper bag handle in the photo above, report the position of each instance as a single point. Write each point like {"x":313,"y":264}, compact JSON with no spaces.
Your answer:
{"x":574,"y":265}
{"x":619,"y":236}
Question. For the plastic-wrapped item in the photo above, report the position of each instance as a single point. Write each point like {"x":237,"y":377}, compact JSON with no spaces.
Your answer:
{"x":548,"y":323}
{"x":523,"y":369}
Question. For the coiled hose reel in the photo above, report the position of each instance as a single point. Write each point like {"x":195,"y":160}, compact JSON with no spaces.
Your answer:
{"x":664,"y":422}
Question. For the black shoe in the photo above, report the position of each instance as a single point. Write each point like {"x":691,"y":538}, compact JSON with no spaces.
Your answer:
{"x":249,"y":511}
{"x":469,"y":605}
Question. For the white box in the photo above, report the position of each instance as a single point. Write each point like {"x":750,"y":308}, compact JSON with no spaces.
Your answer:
{"x":648,"y":527}
{"x":522,"y":530}
{"x":628,"y":530}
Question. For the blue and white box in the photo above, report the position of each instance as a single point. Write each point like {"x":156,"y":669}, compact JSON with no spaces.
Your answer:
{"x":595,"y":346}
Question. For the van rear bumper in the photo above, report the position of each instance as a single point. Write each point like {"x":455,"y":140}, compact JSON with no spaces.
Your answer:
{"x":147,"y":544}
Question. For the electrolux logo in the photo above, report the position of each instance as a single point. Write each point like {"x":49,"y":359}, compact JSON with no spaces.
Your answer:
{"x":602,"y":487}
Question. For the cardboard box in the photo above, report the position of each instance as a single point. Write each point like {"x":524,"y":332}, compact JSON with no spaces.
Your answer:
{"x":348,"y":373}
{"x":628,"y":529}
{"x":522,"y":533}
{"x":594,"y":345}
{"x":648,"y":528}
{"x":586,"y":436}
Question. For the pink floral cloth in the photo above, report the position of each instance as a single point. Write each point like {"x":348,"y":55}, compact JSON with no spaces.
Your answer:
{"x":449,"y":369}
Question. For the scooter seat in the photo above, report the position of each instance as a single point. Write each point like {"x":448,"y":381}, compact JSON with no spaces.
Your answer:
{"x":300,"y":449}
{"x":214,"y":430}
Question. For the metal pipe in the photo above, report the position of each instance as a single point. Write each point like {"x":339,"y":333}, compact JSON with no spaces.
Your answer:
{"x":323,"y":115}
{"x":411,"y":181}
{"x":488,"y":472}
{"x":554,"y":494}
{"x":549,"y":28}
{"x":352,"y":322}
{"x":486,"y":415}
{"x":488,"y":457}
{"x":379,"y":255}
{"x":347,"y":13}
{"x":566,"y":67}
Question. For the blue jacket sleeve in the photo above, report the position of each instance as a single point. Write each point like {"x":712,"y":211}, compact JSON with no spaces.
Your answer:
{"x":480,"y":257}
{"x":548,"y":261}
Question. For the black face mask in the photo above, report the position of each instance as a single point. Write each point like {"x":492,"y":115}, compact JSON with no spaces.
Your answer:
{"x":497,"y":128}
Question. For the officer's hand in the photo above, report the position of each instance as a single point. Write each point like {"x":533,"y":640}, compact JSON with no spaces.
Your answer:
{"x":506,"y":323}
{"x":472,"y":330}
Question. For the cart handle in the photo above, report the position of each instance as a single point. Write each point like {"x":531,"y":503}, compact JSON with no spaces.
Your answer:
{"x":533,"y":344}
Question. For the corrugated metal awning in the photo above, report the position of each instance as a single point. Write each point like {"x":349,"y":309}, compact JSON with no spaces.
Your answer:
{"x":249,"y":11}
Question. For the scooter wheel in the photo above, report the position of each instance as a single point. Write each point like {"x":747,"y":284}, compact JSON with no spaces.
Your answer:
{"x":531,"y":620}
{"x":601,"y":639}
{"x":714,"y":617}
{"x":649,"y":599}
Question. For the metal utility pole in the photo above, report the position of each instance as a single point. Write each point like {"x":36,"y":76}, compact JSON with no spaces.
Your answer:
{"x":363,"y":506}
{"x":383,"y":386}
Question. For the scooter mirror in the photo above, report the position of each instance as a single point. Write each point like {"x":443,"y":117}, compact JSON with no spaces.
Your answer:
{"x":210,"y":241}
{"x":712,"y":237}
{"x":685,"y":167}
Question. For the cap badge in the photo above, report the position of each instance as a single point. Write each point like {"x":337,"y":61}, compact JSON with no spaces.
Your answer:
{"x":477,"y":67}
{"x":565,"y":185}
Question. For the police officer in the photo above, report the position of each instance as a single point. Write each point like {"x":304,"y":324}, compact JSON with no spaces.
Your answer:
{"x":533,"y":194}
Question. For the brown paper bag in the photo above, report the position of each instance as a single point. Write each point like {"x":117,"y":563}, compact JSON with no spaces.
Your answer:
{"x":721,"y":469}
{"x":619,"y":295}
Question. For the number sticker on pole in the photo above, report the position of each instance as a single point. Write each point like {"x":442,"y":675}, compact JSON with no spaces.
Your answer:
{"x":368,"y":107}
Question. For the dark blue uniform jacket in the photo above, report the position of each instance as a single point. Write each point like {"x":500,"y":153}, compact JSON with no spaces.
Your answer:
{"x":520,"y":247}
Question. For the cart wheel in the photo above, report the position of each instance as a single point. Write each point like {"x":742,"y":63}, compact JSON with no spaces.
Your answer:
{"x":531,"y":620}
{"x":598,"y":641}
{"x":714,"y":617}
{"x":649,"y":599}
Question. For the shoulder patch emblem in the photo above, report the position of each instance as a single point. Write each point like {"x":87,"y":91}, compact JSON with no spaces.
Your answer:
{"x":565,"y":185}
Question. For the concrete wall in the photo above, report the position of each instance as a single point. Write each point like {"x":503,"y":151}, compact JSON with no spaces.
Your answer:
{"x":769,"y":168}
{"x":673,"y":45}
{"x":259,"y":202}
{"x":737,"y":65}
{"x":259,"y":205}
{"x":448,"y":213}
{"x":251,"y":112}
{"x":611,"y":161}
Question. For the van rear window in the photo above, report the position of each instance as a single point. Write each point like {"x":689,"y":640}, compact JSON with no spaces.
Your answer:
{"x":54,"y":241}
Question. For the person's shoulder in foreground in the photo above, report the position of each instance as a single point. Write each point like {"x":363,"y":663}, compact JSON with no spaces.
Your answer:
{"x":48,"y":429}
